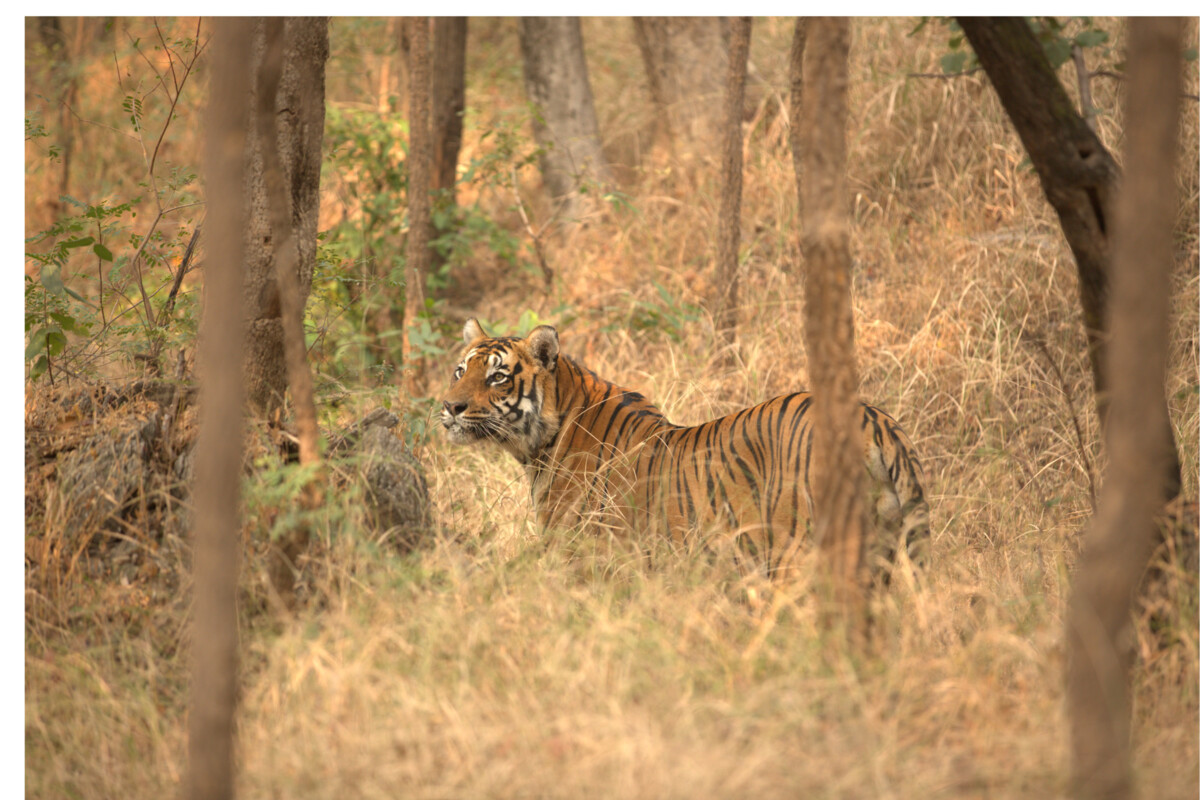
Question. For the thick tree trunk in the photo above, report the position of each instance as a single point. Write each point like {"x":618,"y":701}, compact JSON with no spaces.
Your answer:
{"x":1078,"y":176}
{"x":729,"y":228}
{"x":286,"y":550}
{"x":686,"y":60}
{"x":449,"y":87}
{"x":219,"y":450}
{"x":300,"y":106}
{"x":419,"y":162}
{"x":1121,"y":537}
{"x":837,"y":472}
{"x":556,"y":81}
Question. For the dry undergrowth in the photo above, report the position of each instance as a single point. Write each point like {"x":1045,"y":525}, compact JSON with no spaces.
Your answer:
{"x":501,"y":665}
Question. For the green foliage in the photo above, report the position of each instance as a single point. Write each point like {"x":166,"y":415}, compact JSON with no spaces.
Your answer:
{"x":1056,"y":37}
{"x":35,"y":130}
{"x":96,"y":285}
{"x":359,"y":284}
{"x":666,"y":315}
{"x":273,"y":495}
{"x":85,"y":289}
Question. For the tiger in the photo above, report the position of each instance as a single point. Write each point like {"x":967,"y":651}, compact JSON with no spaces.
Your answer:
{"x":585,"y":442}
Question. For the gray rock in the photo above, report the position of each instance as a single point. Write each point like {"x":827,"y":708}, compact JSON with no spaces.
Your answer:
{"x":397,"y":494}
{"x":99,"y":477}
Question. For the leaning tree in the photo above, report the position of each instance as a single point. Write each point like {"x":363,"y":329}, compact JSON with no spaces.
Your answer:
{"x":1078,"y":175}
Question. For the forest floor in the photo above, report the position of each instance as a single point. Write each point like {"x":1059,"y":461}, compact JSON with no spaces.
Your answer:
{"x":501,"y":663}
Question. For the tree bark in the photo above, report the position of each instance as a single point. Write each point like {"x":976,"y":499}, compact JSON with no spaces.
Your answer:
{"x":1122,"y":535}
{"x":1077,"y":173}
{"x":219,"y":450}
{"x":556,"y":81}
{"x":300,"y":109}
{"x":287,"y":549}
{"x":449,"y":87}
{"x":837,"y":472}
{"x":686,"y":60}
{"x":796,"y":99}
{"x":729,"y":228}
{"x":419,"y":162}
{"x":449,"y":91}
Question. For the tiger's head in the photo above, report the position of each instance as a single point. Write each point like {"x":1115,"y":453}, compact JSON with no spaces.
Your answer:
{"x":504,"y":390}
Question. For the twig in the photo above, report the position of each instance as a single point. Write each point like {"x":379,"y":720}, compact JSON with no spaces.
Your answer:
{"x":1040,"y":346}
{"x":1085,"y":87}
{"x":100,"y":271}
{"x":945,"y":76}
{"x":183,"y":269}
{"x":180,"y":83}
{"x":135,"y":262}
{"x":1118,"y":76}
{"x":536,"y":236}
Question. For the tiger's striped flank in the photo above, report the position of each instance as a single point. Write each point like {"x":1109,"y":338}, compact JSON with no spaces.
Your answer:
{"x":588,"y":445}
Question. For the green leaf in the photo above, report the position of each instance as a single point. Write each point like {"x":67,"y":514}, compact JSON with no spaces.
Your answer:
{"x":103,"y":252}
{"x":1058,"y":51}
{"x":1091,"y":38}
{"x":37,"y":343}
{"x":1189,"y":54}
{"x":55,"y":341}
{"x":52,"y":280}
{"x":65,"y":321}
{"x":953,"y":62}
{"x":38,"y":368}
{"x":84,"y":242}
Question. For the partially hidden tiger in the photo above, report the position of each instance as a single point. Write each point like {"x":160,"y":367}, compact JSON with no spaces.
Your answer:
{"x":588,"y":445}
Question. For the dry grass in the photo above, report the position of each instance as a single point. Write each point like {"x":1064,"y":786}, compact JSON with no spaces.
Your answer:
{"x":503,"y":665}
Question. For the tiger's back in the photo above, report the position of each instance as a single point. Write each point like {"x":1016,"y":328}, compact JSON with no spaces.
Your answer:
{"x":590,"y":446}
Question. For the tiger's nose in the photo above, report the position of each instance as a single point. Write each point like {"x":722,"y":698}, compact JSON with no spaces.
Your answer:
{"x":454,"y":409}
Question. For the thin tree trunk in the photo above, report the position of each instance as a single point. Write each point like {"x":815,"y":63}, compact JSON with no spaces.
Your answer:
{"x":419,"y":160}
{"x":300,"y":110}
{"x":686,"y":61}
{"x":449,"y":87}
{"x":556,"y":81}
{"x":796,"y":86}
{"x":219,"y":450}
{"x":1122,"y":535}
{"x":1078,"y":176}
{"x":729,"y":227}
{"x":837,"y":472}
{"x":287,"y":549}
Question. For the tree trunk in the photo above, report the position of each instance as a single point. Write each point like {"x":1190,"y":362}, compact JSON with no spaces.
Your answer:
{"x":449,"y":87}
{"x":287,"y":549}
{"x":686,"y":60}
{"x":419,"y":161}
{"x":556,"y":81}
{"x":729,"y":228}
{"x":300,"y":107}
{"x":1078,"y":176}
{"x":837,"y":472}
{"x":796,"y":99}
{"x":1121,"y":536}
{"x":219,"y":449}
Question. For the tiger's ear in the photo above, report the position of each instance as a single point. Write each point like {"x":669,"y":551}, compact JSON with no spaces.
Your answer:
{"x":473,"y":330}
{"x":542,"y":343}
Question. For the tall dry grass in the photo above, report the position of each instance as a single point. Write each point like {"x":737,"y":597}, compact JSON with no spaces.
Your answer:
{"x":506,"y":664}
